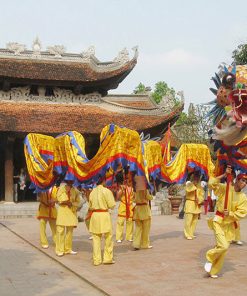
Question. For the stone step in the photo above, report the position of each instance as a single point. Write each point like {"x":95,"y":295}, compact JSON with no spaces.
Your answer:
{"x":24,"y":209}
{"x":18,"y":210}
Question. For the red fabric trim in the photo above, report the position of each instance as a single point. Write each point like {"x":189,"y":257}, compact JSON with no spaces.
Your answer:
{"x":220,"y":214}
{"x":124,"y":216}
{"x":229,"y":180}
{"x":99,"y":211}
{"x":47,"y":218}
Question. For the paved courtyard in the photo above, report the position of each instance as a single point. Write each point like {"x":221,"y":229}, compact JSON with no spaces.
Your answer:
{"x":173,"y":267}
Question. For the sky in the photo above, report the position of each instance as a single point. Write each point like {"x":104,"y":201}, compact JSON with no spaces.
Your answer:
{"x":180,"y":42}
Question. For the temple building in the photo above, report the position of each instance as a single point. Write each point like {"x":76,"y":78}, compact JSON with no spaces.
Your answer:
{"x":52,"y":91}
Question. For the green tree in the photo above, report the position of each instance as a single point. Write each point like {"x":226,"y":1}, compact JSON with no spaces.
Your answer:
{"x":161,"y":90}
{"x":239,"y":55}
{"x":140,"y":89}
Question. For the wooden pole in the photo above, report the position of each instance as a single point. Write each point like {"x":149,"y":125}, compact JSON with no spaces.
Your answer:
{"x":9,"y":169}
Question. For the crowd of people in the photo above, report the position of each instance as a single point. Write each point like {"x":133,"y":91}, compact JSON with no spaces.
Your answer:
{"x":134,"y":208}
{"x":101,"y":200}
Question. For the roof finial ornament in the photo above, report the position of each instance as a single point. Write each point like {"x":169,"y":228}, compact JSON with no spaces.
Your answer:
{"x":57,"y":50}
{"x":123,"y":57}
{"x":180,"y":93}
{"x":90,"y":52}
{"x":136,"y":52}
{"x":17,"y":48}
{"x":36,"y":46}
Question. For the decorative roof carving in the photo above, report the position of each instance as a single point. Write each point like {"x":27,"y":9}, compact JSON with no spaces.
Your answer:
{"x":65,"y":97}
{"x":122,"y":57}
{"x":17,"y":48}
{"x":136,"y":52}
{"x":62,"y":96}
{"x":36,"y":47}
{"x":57,"y":50}
{"x":89,"y":53}
{"x":168,"y":102}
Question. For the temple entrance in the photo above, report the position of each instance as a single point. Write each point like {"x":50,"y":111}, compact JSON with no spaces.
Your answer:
{"x":22,"y":182}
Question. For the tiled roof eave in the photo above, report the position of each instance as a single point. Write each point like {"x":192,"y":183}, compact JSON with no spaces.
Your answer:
{"x":52,"y":118}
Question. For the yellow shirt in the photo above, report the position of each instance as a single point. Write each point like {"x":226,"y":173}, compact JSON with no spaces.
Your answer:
{"x":142,"y":209}
{"x":101,"y":198}
{"x":237,"y":207}
{"x":193,"y":192}
{"x":237,"y":202}
{"x":46,"y":209}
{"x":66,"y":216}
{"x":125,"y":208}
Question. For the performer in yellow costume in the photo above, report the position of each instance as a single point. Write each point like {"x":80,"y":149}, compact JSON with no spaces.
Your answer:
{"x":47,"y":213}
{"x":68,"y":198}
{"x":142,"y":218}
{"x":101,"y":200}
{"x":192,"y":209}
{"x":237,"y":235}
{"x":125,"y":212}
{"x":226,"y":215}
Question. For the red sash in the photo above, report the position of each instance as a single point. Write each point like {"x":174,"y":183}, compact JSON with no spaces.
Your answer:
{"x":90,"y":213}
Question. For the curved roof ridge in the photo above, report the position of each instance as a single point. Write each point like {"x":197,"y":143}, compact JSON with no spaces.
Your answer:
{"x":159,"y":111}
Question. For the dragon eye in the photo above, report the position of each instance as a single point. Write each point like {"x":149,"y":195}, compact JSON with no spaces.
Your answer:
{"x":228,"y":80}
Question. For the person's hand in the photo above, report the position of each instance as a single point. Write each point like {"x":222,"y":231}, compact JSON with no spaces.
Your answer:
{"x":226,"y":213}
{"x":51,"y":203}
{"x":69,"y":204}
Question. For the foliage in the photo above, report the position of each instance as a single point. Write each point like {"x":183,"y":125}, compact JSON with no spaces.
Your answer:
{"x":239,"y":55}
{"x":161,"y":90}
{"x":140,"y":89}
{"x":194,"y":126}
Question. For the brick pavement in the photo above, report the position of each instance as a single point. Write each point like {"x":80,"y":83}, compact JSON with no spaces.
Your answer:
{"x":173,"y":267}
{"x":25,"y":271}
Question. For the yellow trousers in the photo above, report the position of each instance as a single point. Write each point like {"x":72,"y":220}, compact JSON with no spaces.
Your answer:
{"x":43,"y":236}
{"x":108,"y":249}
{"x":120,"y":228}
{"x":64,"y":238}
{"x":237,"y":233}
{"x":217,"y":255}
{"x":190,"y":222}
{"x":87,"y":222}
{"x":141,"y":234}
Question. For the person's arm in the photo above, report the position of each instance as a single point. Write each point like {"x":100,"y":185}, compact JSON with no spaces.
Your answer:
{"x":148,"y":195}
{"x":239,"y":213}
{"x":110,"y":199}
{"x":120,"y":193}
{"x":217,"y":187}
{"x":190,"y":187}
{"x":78,"y":199}
{"x":62,"y":197}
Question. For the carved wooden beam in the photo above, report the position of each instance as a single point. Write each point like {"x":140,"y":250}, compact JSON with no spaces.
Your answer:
{"x":77,"y":89}
{"x":6,"y":85}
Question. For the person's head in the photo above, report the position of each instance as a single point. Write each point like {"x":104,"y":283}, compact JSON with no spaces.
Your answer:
{"x":101,"y":180}
{"x":240,"y":182}
{"x":69,"y":182}
{"x":195,"y":177}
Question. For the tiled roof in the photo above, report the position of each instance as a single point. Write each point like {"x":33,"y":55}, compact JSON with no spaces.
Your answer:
{"x":59,"y":71}
{"x":140,"y":101}
{"x":51,"y":118}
